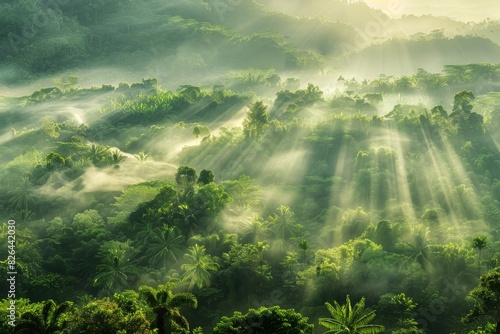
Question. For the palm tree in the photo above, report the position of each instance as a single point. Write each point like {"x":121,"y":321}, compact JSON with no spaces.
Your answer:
{"x":23,"y":215}
{"x":290,"y":264}
{"x":142,"y":157}
{"x":350,"y":320}
{"x":312,"y":94}
{"x":198,"y":267}
{"x":216,"y":243}
{"x":403,"y":307}
{"x":479,"y":242}
{"x":22,"y":196}
{"x":256,"y":121}
{"x":166,"y":304}
{"x":165,"y":243}
{"x":190,"y":93}
{"x":283,"y":223}
{"x":304,"y":246}
{"x":456,"y":74}
{"x":418,"y":249}
{"x":146,"y":233}
{"x":47,"y":322}
{"x":117,"y":158}
{"x":97,"y":152}
{"x":255,"y":230}
{"x":117,"y":265}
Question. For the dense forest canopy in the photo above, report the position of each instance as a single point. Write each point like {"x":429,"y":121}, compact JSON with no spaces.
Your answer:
{"x":238,"y":166}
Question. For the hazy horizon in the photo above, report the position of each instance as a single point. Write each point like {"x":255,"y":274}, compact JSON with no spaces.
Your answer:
{"x":461,"y":10}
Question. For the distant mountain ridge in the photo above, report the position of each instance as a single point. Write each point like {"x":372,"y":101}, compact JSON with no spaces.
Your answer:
{"x":405,"y":56}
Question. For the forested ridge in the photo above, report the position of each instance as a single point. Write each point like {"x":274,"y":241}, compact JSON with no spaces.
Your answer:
{"x":260,"y":190}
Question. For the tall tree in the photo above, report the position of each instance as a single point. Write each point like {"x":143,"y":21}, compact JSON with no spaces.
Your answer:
{"x":418,"y":248}
{"x":165,"y":244}
{"x":486,"y":298}
{"x":166,"y":307}
{"x":462,"y":102}
{"x":256,"y":121}
{"x":198,"y":268}
{"x":117,"y":266}
{"x":311,"y":94}
{"x":255,"y":230}
{"x":200,"y":130}
{"x":97,"y":153}
{"x":206,"y":177}
{"x":479,"y":242}
{"x":304,"y":246}
{"x":282,"y":223}
{"x":348,"y":319}
{"x":22,"y":196}
{"x":46,"y":322}
{"x":403,"y":307}
{"x":116,"y":158}
{"x":186,"y":178}
{"x":190,"y":93}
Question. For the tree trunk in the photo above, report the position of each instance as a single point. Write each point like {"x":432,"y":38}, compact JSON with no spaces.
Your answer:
{"x":160,"y":324}
{"x":498,"y":328}
{"x":479,"y":264}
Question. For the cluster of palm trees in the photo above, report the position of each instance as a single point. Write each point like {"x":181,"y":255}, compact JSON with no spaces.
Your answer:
{"x":419,"y":249}
{"x":165,"y":306}
{"x":118,"y":267}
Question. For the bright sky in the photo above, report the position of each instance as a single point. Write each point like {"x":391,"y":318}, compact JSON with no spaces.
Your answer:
{"x":465,"y":10}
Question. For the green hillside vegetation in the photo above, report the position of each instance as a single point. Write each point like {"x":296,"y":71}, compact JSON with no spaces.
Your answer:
{"x":111,"y":32}
{"x":354,"y":13}
{"x":430,"y":52}
{"x":201,"y":167}
{"x":487,"y":29}
{"x":379,"y":221}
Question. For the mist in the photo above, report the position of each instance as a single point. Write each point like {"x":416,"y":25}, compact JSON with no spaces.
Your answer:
{"x":249,"y":156}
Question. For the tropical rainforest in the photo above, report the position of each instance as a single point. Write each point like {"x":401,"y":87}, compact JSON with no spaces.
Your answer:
{"x":239,"y":166}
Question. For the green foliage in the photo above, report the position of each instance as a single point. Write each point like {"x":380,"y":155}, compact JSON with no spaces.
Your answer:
{"x":163,"y":245}
{"x":388,"y":204}
{"x":54,"y":161}
{"x":22,"y":305}
{"x":67,"y":82}
{"x":264,"y":320}
{"x":200,"y":131}
{"x":244,"y":192}
{"x":166,"y":307}
{"x":117,"y":268}
{"x":106,"y":316}
{"x":479,"y":242}
{"x":256,"y":121}
{"x":50,"y":128}
{"x":47,"y":321}
{"x":206,"y":177}
{"x":130,"y":198}
{"x":348,"y":318}
{"x":282,"y":223}
{"x":198,"y":268}
{"x":22,"y":197}
{"x":185,"y":176}
{"x":403,"y":307}
{"x":417,"y":247}
{"x":489,"y":328}
{"x":485,"y":298}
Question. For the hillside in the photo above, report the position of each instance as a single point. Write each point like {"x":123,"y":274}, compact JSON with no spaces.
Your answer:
{"x":152,"y":40}
{"x":244,"y":167}
{"x":401,"y":56}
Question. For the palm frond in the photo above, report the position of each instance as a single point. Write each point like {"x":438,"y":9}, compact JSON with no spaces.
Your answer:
{"x":184,"y":298}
